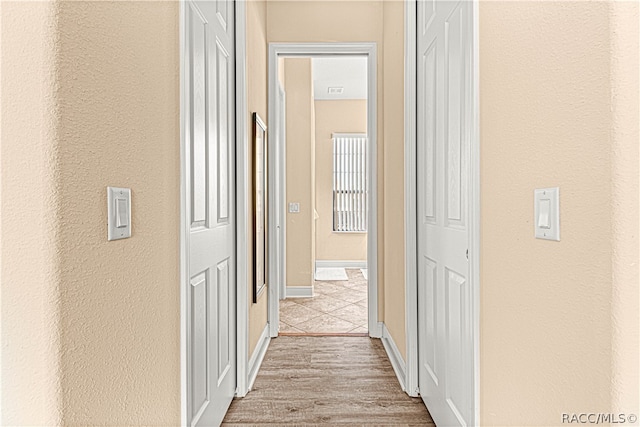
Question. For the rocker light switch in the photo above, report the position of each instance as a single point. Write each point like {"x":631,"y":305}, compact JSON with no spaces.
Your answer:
{"x":119,"y":213}
{"x":547,"y":213}
{"x":543,"y":214}
{"x":122,"y":213}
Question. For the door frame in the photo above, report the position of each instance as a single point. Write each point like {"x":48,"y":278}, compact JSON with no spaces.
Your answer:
{"x":281,"y":159}
{"x":369,"y":50}
{"x":411,"y":224}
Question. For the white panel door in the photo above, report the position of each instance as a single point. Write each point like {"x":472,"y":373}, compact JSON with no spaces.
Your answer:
{"x":210,"y":158}
{"x":445,"y":335}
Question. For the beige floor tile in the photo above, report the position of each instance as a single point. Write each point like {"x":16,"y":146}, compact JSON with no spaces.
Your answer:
{"x":359,"y":330}
{"x":297,"y":314}
{"x":328,"y":288}
{"x":326,"y":323}
{"x":285,"y":327}
{"x":352,"y":296}
{"x":347,"y":298}
{"x":324,"y":303}
{"x":286,"y":303}
{"x":353,"y":313}
{"x":363,"y":302}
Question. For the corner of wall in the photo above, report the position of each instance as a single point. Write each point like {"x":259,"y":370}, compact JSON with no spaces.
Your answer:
{"x":30,"y":335}
{"x":625,"y":203}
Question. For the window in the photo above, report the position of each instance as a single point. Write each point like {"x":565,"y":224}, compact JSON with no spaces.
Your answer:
{"x":350,"y":184}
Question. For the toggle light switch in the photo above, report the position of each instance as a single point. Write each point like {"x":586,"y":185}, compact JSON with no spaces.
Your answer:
{"x":119,"y":213}
{"x":547,"y":213}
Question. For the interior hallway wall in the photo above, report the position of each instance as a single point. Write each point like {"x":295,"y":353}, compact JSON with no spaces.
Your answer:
{"x":625,"y":310}
{"x":555,"y":111}
{"x":300,"y":144}
{"x":339,"y":116}
{"x":29,"y":308}
{"x":118,"y":97}
{"x":257,"y":102}
{"x":364,"y":21}
{"x":393,"y":220}
{"x":90,"y":327}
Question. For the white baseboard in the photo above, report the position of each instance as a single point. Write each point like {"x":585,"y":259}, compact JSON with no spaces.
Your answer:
{"x":299,"y":291}
{"x":394,"y":356}
{"x":340,"y":264}
{"x":258,"y":355}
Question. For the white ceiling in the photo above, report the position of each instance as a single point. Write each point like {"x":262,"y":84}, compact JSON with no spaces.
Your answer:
{"x":349,"y":72}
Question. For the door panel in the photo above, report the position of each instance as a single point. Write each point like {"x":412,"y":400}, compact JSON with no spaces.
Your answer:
{"x":210,"y":124}
{"x":444,"y":294}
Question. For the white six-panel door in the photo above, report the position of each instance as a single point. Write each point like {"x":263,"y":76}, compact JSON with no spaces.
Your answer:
{"x":210,"y":210}
{"x":445,"y":334}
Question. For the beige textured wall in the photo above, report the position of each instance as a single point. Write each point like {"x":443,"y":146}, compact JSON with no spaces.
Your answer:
{"x":343,"y":116}
{"x":546,"y":120}
{"x":393,"y":219}
{"x":29,"y":309}
{"x":118,"y":94}
{"x":300,"y":182}
{"x":360,"y":21}
{"x":257,"y":102}
{"x":625,"y":95}
{"x":97,"y":105}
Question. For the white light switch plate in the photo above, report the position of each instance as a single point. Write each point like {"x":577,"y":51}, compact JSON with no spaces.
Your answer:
{"x":119,"y":212}
{"x":547,"y":213}
{"x":294,"y":207}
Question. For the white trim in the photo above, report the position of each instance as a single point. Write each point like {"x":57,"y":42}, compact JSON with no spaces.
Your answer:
{"x":475,"y":212}
{"x":299,"y":291}
{"x":282,"y":264}
{"x":258,"y":356}
{"x":348,"y":135}
{"x":377,"y":330}
{"x":397,"y":362}
{"x":242,"y":207}
{"x":369,"y":50}
{"x":184,"y":234}
{"x":410,"y":179}
{"x":274,"y":296}
{"x":320,"y":263}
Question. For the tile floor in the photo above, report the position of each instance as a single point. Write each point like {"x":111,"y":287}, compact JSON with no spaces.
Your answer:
{"x":337,"y":307}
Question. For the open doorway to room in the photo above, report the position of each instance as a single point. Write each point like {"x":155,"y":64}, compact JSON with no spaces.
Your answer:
{"x":322,"y":166}
{"x":322,"y":111}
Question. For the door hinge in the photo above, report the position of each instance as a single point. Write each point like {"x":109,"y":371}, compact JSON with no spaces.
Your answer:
{"x":467,"y":254}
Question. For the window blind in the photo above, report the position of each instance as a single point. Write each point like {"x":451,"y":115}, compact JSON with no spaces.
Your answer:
{"x":350,"y":186}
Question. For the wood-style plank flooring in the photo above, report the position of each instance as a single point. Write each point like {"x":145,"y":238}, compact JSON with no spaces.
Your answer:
{"x":327,"y":381}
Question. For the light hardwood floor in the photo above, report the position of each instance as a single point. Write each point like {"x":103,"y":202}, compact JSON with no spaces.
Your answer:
{"x":327,"y":381}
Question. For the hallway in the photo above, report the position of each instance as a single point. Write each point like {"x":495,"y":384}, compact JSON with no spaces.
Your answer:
{"x":327,"y":381}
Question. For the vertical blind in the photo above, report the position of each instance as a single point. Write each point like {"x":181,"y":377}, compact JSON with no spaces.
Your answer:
{"x":350,"y":186}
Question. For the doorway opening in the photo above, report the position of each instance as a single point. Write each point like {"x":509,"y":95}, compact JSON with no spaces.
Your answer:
{"x":322,"y":124}
{"x":323,"y":185}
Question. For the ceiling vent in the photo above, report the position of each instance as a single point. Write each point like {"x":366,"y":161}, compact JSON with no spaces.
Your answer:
{"x":335,"y":90}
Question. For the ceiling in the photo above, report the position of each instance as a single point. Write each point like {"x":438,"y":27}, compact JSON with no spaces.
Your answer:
{"x":348,"y":72}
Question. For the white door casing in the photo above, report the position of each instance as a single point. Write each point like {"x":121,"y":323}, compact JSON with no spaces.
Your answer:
{"x":209,"y":219}
{"x":446,"y":294}
{"x":281,"y":183}
{"x":369,"y":50}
